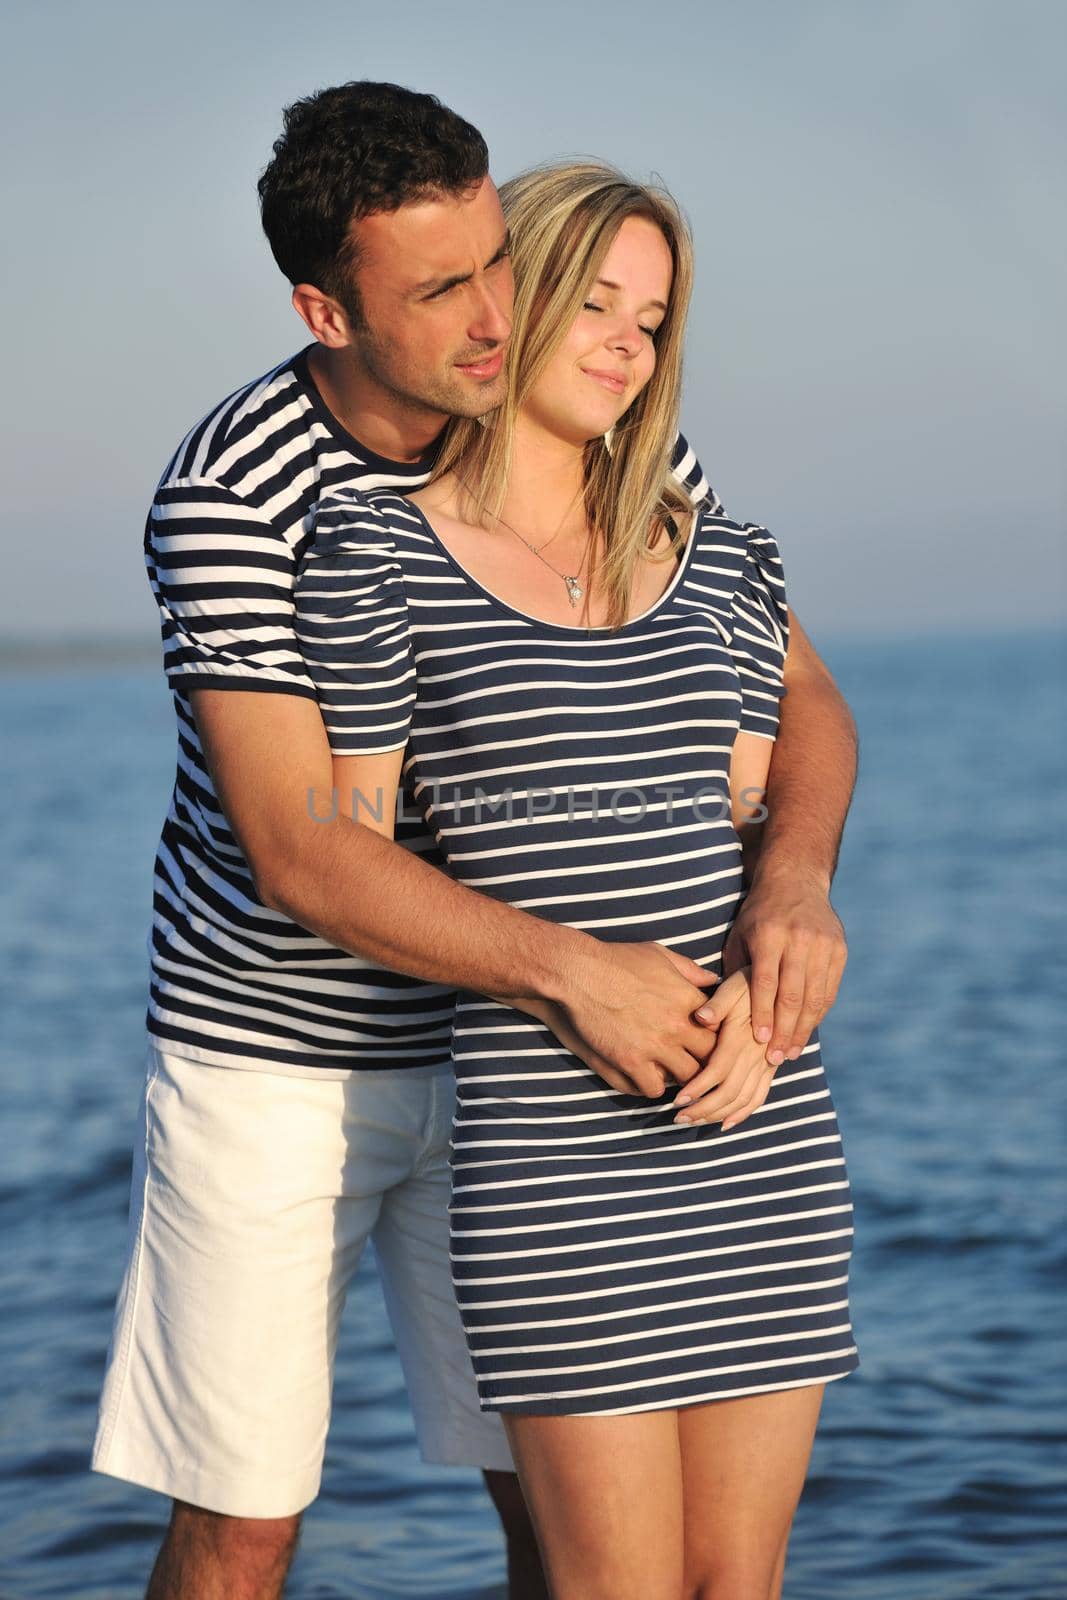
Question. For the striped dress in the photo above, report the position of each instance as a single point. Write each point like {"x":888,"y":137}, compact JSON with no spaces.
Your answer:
{"x":606,"y":1260}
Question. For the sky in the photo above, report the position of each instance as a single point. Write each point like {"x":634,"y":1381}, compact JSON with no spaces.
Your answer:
{"x":877,"y":193}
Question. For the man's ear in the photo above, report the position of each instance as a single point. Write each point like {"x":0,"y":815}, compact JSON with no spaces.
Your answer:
{"x":323,"y":315}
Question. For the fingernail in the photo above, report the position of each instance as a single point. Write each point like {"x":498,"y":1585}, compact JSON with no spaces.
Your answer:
{"x":706,"y":1015}
{"x":794,"y":1055}
{"x":763,"y":1035}
{"x":686,"y":1120}
{"x":683,"y":1099}
{"x":776,"y":1058}
{"x":727,"y":1125}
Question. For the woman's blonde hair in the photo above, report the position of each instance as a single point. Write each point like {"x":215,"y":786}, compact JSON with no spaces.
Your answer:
{"x":563,"y":219}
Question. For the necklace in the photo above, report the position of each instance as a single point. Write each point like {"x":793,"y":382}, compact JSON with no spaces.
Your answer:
{"x":575,"y":591}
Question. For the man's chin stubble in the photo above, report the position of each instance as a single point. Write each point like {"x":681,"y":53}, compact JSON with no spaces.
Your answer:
{"x":477,"y":402}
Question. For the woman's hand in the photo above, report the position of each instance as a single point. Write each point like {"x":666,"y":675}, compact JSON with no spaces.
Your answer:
{"x":737,"y":1078}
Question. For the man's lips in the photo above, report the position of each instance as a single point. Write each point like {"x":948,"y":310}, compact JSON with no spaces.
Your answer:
{"x":617,"y":382}
{"x":485,"y":367}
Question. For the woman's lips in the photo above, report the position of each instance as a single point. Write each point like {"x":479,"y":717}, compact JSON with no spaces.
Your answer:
{"x":615,"y":381}
{"x":488,"y":367}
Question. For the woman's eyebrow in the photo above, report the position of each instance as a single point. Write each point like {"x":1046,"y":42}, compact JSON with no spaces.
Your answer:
{"x":606,"y":283}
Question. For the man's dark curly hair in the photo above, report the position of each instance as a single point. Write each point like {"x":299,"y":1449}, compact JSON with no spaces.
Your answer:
{"x":347,"y":152}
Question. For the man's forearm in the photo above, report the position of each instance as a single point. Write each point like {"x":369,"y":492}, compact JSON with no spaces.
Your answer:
{"x":363,"y":893}
{"x":809,"y":786}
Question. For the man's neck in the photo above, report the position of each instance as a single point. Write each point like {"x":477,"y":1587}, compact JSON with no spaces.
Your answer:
{"x":372,"y":415}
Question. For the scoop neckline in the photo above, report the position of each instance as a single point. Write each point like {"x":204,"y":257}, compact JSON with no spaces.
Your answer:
{"x":543,"y":622}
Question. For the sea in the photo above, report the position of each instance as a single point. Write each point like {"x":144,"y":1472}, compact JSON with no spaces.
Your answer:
{"x":940,"y":1467}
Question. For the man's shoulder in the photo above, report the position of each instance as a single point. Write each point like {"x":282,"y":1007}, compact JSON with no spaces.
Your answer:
{"x":245,"y":427}
{"x":689,"y":477}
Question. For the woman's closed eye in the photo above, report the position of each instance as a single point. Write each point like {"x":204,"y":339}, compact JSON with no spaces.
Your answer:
{"x":591,"y":305}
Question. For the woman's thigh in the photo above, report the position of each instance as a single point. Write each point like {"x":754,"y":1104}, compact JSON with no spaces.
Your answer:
{"x":605,"y":1494}
{"x":744,"y":1462}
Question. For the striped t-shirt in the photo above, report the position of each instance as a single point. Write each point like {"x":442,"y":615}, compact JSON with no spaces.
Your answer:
{"x":233,"y":982}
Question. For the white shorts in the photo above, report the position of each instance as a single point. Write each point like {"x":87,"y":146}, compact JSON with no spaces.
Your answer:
{"x":253,"y":1196}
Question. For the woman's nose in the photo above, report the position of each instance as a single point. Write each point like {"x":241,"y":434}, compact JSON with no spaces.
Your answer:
{"x":626,"y":337}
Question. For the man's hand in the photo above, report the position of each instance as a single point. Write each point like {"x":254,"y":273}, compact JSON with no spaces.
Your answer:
{"x":791,"y":936}
{"x":628,"y":1014}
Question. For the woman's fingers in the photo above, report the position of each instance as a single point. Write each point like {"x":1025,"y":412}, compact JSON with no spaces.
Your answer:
{"x":718,"y":1083}
{"x":734,"y":1082}
{"x":707,"y":1080}
{"x":732,"y":993}
{"x":739,"y":1113}
{"x":731,"y":1110}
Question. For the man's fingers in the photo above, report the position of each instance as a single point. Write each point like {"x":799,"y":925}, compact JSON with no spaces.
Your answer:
{"x":681,"y":1064}
{"x":814,"y":1006}
{"x":689,"y":969}
{"x":650,"y":1084}
{"x":766,"y":953}
{"x":791,"y":985}
{"x":835,"y":972}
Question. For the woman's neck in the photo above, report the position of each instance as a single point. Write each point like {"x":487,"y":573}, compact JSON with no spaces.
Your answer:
{"x":544,"y":493}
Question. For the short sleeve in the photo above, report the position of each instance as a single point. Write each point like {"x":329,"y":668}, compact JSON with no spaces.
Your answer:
{"x":689,"y":477}
{"x":759,"y":635}
{"x":352,"y":627}
{"x":222,"y":578}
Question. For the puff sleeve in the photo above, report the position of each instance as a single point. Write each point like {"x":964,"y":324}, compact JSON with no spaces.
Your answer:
{"x":352,"y":627}
{"x":759,"y":635}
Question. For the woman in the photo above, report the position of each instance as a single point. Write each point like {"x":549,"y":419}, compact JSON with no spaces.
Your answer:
{"x":578,"y":681}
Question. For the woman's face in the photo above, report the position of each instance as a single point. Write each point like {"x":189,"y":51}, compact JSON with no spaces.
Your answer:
{"x":609,"y":354}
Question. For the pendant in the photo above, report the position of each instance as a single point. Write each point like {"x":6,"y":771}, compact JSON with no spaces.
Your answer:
{"x":574,"y":590}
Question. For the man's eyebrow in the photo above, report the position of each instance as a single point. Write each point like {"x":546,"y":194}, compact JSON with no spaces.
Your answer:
{"x":439,"y":285}
{"x":607,"y":284}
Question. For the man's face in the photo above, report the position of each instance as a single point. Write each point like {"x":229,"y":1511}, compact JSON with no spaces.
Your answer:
{"x":436,"y":292}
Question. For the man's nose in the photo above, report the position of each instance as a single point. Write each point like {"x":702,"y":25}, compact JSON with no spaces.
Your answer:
{"x":492,"y":317}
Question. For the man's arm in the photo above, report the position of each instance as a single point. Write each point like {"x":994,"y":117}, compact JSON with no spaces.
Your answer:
{"x":625,"y":1009}
{"x":224,"y":578}
{"x":787,"y":928}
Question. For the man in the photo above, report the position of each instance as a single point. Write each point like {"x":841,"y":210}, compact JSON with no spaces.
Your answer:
{"x":298,"y":1094}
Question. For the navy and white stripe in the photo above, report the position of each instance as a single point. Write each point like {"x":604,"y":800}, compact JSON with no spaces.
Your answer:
{"x":605,"y":1259}
{"x":234,"y":982}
